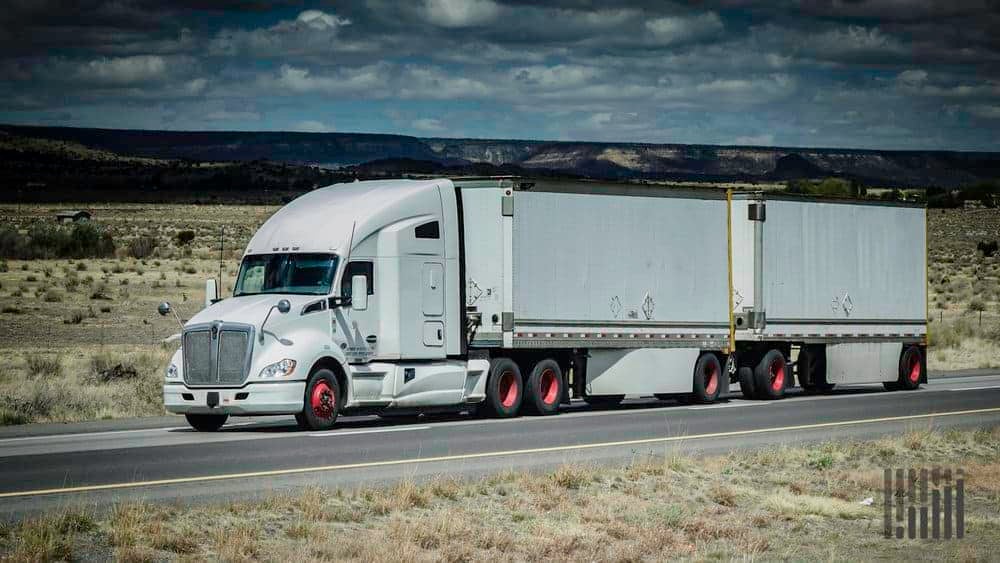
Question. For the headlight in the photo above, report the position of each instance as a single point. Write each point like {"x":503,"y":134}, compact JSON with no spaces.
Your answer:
{"x":279,"y":369}
{"x":172,"y":371}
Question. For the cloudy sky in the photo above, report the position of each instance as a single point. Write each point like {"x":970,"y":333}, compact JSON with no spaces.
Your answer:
{"x":841,"y":73}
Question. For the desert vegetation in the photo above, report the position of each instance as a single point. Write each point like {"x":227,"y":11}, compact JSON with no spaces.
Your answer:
{"x":780,"y":503}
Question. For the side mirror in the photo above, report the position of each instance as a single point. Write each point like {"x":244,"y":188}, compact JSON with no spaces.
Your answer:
{"x":359,"y":293}
{"x":211,"y":292}
{"x":164,"y":309}
{"x":284,"y":306}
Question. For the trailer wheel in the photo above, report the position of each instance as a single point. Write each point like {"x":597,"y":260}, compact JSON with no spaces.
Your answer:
{"x":322,"y":402}
{"x":911,"y":370}
{"x":545,"y":387}
{"x":603,"y":400}
{"x":707,"y":378}
{"x":206,"y":422}
{"x":811,"y":367}
{"x":504,"y":388}
{"x":745,"y":374}
{"x":771,"y":375}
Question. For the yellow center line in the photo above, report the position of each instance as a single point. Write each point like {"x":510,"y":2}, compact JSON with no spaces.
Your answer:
{"x":459,"y":457}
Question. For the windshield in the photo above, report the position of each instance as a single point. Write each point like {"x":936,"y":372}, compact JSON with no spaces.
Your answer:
{"x":307,"y":274}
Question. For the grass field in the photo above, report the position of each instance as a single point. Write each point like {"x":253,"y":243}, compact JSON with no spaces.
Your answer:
{"x":783,"y":503}
{"x":90,"y":326}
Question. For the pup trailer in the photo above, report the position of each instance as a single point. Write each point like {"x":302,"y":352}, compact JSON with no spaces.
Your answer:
{"x":505,"y":297}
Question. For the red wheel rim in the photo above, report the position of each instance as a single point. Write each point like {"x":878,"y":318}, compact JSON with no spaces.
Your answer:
{"x":322,"y":400}
{"x":914,"y":368}
{"x":711,"y":378}
{"x":777,"y":369}
{"x":548,"y":386}
{"x":508,"y":389}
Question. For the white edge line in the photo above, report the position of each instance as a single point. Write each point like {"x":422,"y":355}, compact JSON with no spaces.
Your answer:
{"x":976,"y":388}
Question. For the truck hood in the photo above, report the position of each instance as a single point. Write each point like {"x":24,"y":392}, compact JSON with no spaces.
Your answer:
{"x":250,"y":309}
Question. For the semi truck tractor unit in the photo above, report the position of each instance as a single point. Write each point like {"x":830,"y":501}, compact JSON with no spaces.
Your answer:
{"x":507,"y":296}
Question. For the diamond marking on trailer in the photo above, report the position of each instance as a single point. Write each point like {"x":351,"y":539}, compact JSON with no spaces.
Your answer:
{"x":648,"y":305}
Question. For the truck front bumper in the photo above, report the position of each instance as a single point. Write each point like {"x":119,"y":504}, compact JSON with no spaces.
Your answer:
{"x":254,"y":398}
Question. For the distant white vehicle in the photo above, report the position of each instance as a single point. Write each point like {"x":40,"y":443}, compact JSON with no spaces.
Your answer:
{"x":412,"y":296}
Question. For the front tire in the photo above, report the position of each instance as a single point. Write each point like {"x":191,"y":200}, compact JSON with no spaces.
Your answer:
{"x":206,"y":422}
{"x":545,"y":387}
{"x":321,"y":403}
{"x":504,"y":388}
{"x":771,"y":376}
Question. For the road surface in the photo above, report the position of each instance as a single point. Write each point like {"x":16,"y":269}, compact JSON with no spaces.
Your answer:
{"x":48,"y":466}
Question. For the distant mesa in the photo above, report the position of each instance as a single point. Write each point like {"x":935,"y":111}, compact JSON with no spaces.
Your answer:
{"x":795,"y":167}
{"x":363,"y":154}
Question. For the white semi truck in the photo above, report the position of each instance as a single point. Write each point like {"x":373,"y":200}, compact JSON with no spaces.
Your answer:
{"x":507,"y":296}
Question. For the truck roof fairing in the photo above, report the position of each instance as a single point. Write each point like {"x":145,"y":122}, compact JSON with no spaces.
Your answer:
{"x":322,"y":220}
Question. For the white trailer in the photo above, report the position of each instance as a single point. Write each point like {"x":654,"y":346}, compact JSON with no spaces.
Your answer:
{"x":508,"y":296}
{"x":842,"y":282}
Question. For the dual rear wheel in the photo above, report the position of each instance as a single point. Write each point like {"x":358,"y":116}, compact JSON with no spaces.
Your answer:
{"x":507,"y":390}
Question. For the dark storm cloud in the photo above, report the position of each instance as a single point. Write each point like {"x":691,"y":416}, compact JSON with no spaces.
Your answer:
{"x":882,"y":74}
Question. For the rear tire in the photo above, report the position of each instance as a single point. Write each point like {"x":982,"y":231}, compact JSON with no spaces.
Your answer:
{"x":771,"y":375}
{"x":746,"y":382}
{"x":707,"y":379}
{"x":206,"y":422}
{"x":911,"y":370}
{"x":545,"y":387}
{"x":321,"y":403}
{"x":504,"y":388}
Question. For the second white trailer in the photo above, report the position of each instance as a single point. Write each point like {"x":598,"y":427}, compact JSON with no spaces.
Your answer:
{"x":841,"y":283}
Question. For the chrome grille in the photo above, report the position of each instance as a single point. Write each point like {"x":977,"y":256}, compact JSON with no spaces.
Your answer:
{"x":217,"y":353}
{"x":233,"y":355}
{"x":198,"y":357}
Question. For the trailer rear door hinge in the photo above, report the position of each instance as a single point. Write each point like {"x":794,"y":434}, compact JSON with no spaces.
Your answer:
{"x":756,"y":212}
{"x":507,"y":206}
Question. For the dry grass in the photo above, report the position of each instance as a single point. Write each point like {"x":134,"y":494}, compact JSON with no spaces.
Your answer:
{"x":769,"y":504}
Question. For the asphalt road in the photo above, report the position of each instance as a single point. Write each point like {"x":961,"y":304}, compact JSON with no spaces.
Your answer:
{"x":43,"y":467}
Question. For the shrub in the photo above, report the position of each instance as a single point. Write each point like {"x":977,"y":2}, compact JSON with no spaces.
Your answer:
{"x":75,"y":318}
{"x":71,"y":283}
{"x":141,"y":247}
{"x":105,"y":367}
{"x":39,"y":364}
{"x":100,"y":292}
{"x":81,"y":266}
{"x":988,"y":249}
{"x":52,"y":296}
{"x":184,"y":237}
